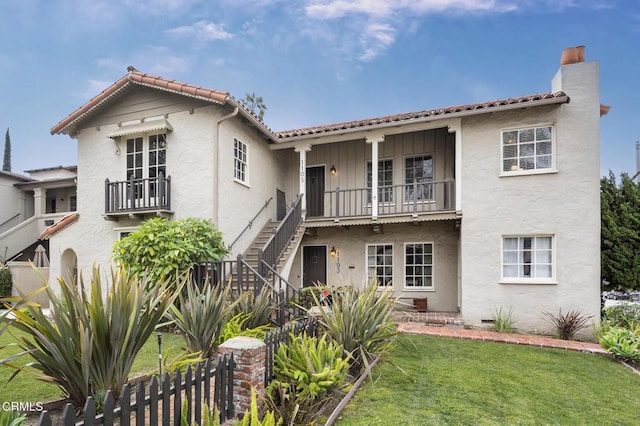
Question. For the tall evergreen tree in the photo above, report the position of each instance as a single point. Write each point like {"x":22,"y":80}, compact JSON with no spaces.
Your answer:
{"x":6,"y":164}
{"x":620,"y":233}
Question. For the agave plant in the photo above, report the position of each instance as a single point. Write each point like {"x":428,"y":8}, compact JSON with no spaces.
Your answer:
{"x":361,"y":322}
{"x":90,"y":342}
{"x":201,"y":316}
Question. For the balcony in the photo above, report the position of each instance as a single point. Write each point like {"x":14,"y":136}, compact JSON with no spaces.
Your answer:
{"x":138,"y":197}
{"x":396,"y":203}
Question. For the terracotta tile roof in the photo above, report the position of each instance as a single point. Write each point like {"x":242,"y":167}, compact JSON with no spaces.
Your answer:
{"x":135,"y":77}
{"x":478,"y":108}
{"x":63,"y":223}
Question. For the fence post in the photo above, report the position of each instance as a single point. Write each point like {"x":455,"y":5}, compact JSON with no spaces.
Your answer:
{"x":249,"y":356}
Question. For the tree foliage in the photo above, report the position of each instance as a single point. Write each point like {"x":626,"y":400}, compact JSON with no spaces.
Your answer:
{"x":160,"y":248}
{"x":6,"y":163}
{"x":620,"y":234}
{"x":255,"y":104}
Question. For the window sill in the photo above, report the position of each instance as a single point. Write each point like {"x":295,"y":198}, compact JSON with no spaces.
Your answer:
{"x":529,"y":172}
{"x":532,"y":281}
{"x":418,"y":289}
{"x":243,"y":183}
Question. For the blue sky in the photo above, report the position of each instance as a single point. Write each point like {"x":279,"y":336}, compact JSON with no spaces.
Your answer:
{"x":313,"y":61}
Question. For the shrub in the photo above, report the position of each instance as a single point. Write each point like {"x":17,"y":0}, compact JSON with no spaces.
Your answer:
{"x":622,"y":343}
{"x":161,"y":248}
{"x":314,"y":366}
{"x":309,"y":296}
{"x":209,"y":417}
{"x":89,"y":344}
{"x":236,"y":326}
{"x":503,"y":322}
{"x":567,"y":324}
{"x":202,"y":315}
{"x":360,"y":321}
{"x":626,"y":316}
{"x":6,"y":281}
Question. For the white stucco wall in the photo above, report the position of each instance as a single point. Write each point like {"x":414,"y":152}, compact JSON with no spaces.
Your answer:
{"x":564,"y":204}
{"x":191,"y":163}
{"x":349,"y":266}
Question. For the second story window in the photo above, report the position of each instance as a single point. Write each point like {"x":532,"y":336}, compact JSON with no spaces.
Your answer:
{"x":385,"y":181}
{"x":418,"y":175}
{"x":240,"y":161}
{"x":146,"y":160}
{"x":527,"y":149}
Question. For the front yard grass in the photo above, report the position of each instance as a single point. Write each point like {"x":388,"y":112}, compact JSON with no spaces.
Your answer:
{"x":25,"y":388}
{"x":452,"y":381}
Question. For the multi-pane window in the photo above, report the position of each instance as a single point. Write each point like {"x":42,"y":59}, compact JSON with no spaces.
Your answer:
{"x":380,"y":263}
{"x":73,"y":203}
{"x":527,"y":257}
{"x":240,"y":160}
{"x":135,"y":158}
{"x":418,"y":177}
{"x":418,"y":263}
{"x":385,"y":181}
{"x":527,"y":149}
{"x":157,"y":160}
{"x":146,"y":163}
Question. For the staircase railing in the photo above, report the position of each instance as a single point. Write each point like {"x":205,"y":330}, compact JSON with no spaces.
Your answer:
{"x":250,"y":224}
{"x":271,"y":252}
{"x":287,"y":295}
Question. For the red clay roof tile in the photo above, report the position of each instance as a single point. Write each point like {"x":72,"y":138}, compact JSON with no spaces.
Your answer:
{"x":557,"y":97}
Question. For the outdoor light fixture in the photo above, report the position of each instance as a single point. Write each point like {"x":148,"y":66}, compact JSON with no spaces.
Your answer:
{"x":333,"y":170}
{"x":333,"y":252}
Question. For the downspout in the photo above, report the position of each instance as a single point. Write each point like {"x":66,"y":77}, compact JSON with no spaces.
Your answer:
{"x":216,"y":175}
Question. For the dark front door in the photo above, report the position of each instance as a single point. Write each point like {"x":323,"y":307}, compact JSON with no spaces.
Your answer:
{"x":314,"y":265}
{"x":281,"y":205}
{"x":315,"y":191}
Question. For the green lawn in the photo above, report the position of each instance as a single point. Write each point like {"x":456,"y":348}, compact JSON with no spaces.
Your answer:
{"x":24,"y":388}
{"x":451,"y":381}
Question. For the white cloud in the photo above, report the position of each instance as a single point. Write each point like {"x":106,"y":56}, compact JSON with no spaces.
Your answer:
{"x":365,"y":29}
{"x":202,"y":30}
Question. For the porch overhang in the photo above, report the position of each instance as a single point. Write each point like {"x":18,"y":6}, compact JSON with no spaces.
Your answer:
{"x":416,"y":218}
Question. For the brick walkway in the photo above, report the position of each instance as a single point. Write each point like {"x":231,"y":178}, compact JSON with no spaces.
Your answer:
{"x":492,"y":336}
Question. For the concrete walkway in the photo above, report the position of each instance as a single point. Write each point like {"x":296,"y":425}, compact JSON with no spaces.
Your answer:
{"x":492,"y":336}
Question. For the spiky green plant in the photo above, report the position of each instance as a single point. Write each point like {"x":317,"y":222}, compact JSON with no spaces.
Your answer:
{"x":11,"y":418}
{"x":209,"y":417}
{"x":503,"y":321}
{"x":237,"y":326}
{"x":258,"y":305}
{"x":252,"y":418}
{"x":567,"y":324}
{"x":90,"y":342}
{"x":202,"y":315}
{"x":360,"y":321}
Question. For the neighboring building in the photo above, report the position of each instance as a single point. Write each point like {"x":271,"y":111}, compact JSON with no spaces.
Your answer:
{"x":475,"y":207}
{"x":29,"y":205}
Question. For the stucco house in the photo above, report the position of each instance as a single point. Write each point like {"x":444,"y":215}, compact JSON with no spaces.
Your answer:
{"x":474,"y":207}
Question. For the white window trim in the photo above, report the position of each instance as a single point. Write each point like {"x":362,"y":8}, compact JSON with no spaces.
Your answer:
{"x":124,"y":229}
{"x":145,"y":152}
{"x":404,"y":175}
{"x":393,"y":261}
{"x":533,"y":280}
{"x":244,"y":182}
{"x":550,"y":170}
{"x":433,"y":268}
